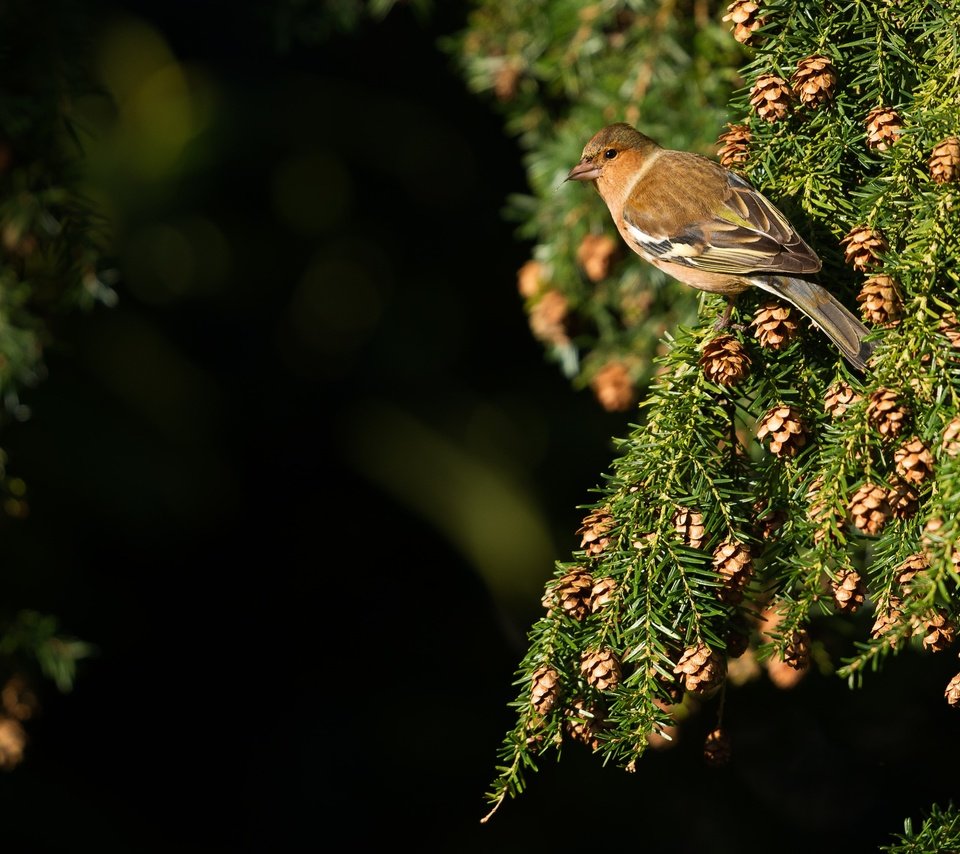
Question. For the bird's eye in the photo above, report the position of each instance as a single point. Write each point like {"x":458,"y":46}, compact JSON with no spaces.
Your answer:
{"x":610,"y":153}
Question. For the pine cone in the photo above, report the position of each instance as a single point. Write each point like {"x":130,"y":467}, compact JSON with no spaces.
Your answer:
{"x":768,"y":520}
{"x":702,"y":669}
{"x":951,"y":438}
{"x":584,"y":721}
{"x":571,"y":593}
{"x":863,"y":248}
{"x":17,"y":698}
{"x":596,"y":525}
{"x":888,"y":619}
{"x":880,"y":301}
{"x":952,"y":693}
{"x":849,"y":591}
{"x":932,"y":541}
{"x":945,"y":161}
{"x":548,"y":317}
{"x":13,"y":740}
{"x":505,"y":81}
{"x":839,"y":398}
{"x":770,"y":97}
{"x":736,"y":146}
{"x":796,"y":653}
{"x":596,"y":254}
{"x":939,"y":632}
{"x":689,"y":525}
{"x":887,"y":413}
{"x":883,"y":128}
{"x":903,"y":498}
{"x":950,"y":327}
{"x":746,"y":20}
{"x":725,"y":360}
{"x":775,"y":325}
{"x":531,"y":279}
{"x":544,"y":689}
{"x":908,"y":568}
{"x":737,"y":640}
{"x":603,"y":593}
{"x":785,"y":429}
{"x":814,"y":81}
{"x":733,"y":563}
{"x":717,"y":749}
{"x":913,"y":461}
{"x":613,"y":387}
{"x":601,"y":668}
{"x":783,"y":676}
{"x":870,"y":509}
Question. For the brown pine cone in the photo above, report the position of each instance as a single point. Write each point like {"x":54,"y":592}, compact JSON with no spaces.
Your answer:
{"x":601,"y":668}
{"x":717,"y":748}
{"x":863,"y":247}
{"x":771,"y":97}
{"x":18,"y":699}
{"x":725,"y":360}
{"x":939,"y":632}
{"x":949,"y":326}
{"x":768,"y":520}
{"x":908,"y":568}
{"x":583,"y":722}
{"x":839,"y":398}
{"x":738,"y":641}
{"x":701,"y":668}
{"x":13,"y":740}
{"x":544,"y":689}
{"x":945,"y":161}
{"x":951,"y":438}
{"x":796,"y":653}
{"x":785,"y":429}
{"x":736,"y":146}
{"x":952,"y":694}
{"x":814,"y":81}
{"x":880,"y":301}
{"x":775,"y":325}
{"x":932,"y":541}
{"x":689,"y":526}
{"x":531,"y":279}
{"x":547,"y":318}
{"x":884,"y":126}
{"x":745,"y":18}
{"x":603,"y":593}
{"x":888,"y":619}
{"x":887,"y":413}
{"x":571,"y":593}
{"x":903,"y":498}
{"x":733,"y":563}
{"x":849,"y":591}
{"x":869,"y":509}
{"x":913,"y":461}
{"x":596,"y":254}
{"x":594,"y":530}
{"x":613,"y":387}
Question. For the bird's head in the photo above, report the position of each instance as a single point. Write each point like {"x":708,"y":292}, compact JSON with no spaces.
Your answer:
{"x":615,"y":148}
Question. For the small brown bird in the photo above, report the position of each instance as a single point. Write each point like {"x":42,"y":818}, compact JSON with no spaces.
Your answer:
{"x":707,"y":227}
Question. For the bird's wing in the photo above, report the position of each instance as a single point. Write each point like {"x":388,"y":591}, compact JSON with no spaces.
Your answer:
{"x":744,"y":234}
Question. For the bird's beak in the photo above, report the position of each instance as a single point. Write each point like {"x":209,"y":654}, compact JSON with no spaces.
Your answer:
{"x":584,"y":171}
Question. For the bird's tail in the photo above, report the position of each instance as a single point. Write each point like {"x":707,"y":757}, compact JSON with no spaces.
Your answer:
{"x":837,"y":322}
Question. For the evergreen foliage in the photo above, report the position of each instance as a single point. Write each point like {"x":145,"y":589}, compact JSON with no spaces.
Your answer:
{"x":766,"y":492}
{"x":49,"y":265}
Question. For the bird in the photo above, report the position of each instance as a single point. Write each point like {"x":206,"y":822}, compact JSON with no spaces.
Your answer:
{"x":709,"y":228}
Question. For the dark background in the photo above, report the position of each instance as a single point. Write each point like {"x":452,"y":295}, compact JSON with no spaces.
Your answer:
{"x":288,"y":650}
